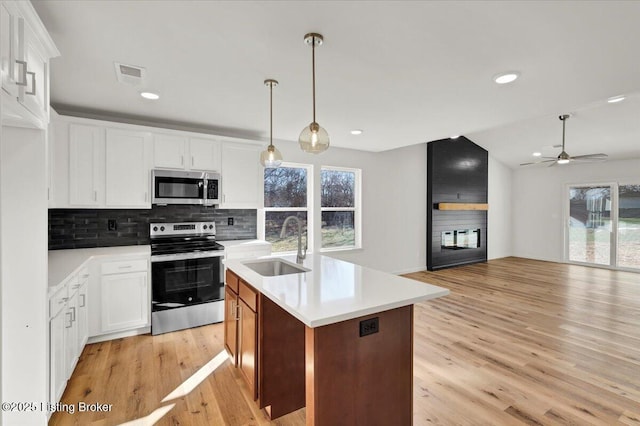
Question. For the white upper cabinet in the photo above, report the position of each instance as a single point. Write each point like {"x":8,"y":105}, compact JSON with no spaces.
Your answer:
{"x":127,"y":168}
{"x":169,"y":151}
{"x":25,"y":50}
{"x":86,"y":152}
{"x":204,"y":154}
{"x":241,"y":176}
{"x":8,"y":48}
{"x":185,"y":153}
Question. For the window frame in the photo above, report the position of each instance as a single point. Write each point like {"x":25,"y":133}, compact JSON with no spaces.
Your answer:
{"x":357,"y":208}
{"x":308,"y":209}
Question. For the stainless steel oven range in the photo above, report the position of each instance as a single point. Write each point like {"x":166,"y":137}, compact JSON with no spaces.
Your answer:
{"x":186,"y":276}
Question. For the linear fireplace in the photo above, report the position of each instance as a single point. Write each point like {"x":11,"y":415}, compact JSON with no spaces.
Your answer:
{"x":457,"y":189}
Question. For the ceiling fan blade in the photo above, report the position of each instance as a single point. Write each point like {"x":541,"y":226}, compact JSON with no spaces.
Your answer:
{"x":555,"y":162}
{"x":538,"y":162}
{"x":590,"y":157}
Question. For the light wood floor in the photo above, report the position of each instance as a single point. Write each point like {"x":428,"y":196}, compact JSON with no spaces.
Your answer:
{"x":517,"y":342}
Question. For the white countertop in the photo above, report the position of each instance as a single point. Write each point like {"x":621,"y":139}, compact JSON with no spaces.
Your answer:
{"x":335,"y":290}
{"x":63,"y":263}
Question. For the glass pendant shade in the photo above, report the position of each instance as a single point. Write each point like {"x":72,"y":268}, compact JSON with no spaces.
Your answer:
{"x":271,"y":157}
{"x":314,"y":139}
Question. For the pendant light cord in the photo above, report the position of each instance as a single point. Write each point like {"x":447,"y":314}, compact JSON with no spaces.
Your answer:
{"x":563,"y":123}
{"x":270,"y":114}
{"x":313,"y":74}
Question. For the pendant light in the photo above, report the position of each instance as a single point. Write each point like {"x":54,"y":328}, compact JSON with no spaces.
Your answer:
{"x":271,"y":157}
{"x":313,"y":138}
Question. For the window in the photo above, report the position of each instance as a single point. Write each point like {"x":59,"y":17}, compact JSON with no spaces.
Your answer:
{"x":287,"y":193}
{"x":340,"y":207}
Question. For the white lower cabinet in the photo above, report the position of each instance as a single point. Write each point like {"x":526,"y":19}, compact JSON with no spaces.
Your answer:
{"x":71,"y":333}
{"x":83,"y":311}
{"x":57,"y":321}
{"x":125,"y":301}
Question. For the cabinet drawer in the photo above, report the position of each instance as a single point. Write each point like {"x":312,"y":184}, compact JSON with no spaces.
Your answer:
{"x":232,"y":281}
{"x":249,"y":295}
{"x":123,"y":266}
{"x":57,"y":301}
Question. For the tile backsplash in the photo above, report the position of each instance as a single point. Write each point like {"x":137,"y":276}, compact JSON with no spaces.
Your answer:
{"x":82,"y":228}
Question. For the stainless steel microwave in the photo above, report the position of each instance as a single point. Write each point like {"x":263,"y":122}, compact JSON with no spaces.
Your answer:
{"x":182,"y":187}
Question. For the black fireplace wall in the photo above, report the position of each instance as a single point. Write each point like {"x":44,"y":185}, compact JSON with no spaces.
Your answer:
{"x":457,"y":172}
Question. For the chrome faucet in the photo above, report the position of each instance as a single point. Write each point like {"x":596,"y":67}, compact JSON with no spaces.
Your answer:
{"x":300,"y":256}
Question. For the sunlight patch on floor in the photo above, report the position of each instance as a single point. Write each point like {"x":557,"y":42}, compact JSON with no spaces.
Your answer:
{"x":198,"y":377}
{"x":152,"y":418}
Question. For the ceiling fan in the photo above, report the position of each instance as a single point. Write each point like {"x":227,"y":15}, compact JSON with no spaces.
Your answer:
{"x":563,"y":157}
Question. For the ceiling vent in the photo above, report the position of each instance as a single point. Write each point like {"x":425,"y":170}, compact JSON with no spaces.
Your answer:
{"x":130,"y":74}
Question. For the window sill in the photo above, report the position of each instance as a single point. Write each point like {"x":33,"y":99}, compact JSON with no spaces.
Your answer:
{"x":335,"y":249}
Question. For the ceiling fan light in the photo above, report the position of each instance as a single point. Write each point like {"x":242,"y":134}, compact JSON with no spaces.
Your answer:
{"x":563,"y":161}
{"x":537,"y":154}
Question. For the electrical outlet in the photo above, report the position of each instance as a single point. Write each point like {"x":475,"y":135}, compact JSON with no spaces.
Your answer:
{"x":369,"y":326}
{"x":112,"y":225}
{"x":230,"y":221}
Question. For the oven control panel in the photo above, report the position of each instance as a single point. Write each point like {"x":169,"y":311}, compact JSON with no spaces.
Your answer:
{"x":183,"y":228}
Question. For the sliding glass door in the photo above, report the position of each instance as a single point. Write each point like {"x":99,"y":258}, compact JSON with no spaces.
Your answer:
{"x":604,"y":225}
{"x":590,"y":236}
{"x":629,"y":226}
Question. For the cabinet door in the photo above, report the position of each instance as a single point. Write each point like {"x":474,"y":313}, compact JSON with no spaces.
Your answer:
{"x":231,"y":324}
{"x":82,"y":315}
{"x":124,"y":301}
{"x":248,"y":341}
{"x":85,"y":151}
{"x":71,"y":334}
{"x":127,"y":168}
{"x":35,"y":95}
{"x":8,"y":50}
{"x":169,"y":151}
{"x":204,"y":154}
{"x":57,"y":370}
{"x":241,"y":176}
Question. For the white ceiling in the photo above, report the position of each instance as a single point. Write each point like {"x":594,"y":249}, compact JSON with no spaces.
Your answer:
{"x":404,"y":72}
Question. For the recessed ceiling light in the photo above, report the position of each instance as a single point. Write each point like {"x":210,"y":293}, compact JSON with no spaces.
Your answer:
{"x":455,"y":136}
{"x":615,"y":99}
{"x":537,"y":154}
{"x":150,"y":95}
{"x":506,"y":77}
{"x":356,"y":132}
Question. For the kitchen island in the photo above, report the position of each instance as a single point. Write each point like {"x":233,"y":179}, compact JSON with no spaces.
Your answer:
{"x":335,"y":337}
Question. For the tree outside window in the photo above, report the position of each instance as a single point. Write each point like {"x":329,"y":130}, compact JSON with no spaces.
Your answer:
{"x":286,"y":193}
{"x":340,"y":206}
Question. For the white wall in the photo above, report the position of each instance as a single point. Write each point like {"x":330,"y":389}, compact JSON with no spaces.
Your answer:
{"x":23,"y":271}
{"x":538,"y":198}
{"x":499,"y":217}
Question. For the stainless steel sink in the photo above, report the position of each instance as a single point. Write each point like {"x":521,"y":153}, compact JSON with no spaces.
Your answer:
{"x":274,"y":267}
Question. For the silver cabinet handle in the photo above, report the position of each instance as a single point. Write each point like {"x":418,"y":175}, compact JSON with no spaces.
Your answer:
{"x":95,"y":195}
{"x":182,"y":160}
{"x":76,"y":286}
{"x":84,"y":300}
{"x":73,"y":313}
{"x":125,"y":267}
{"x":61,"y":301}
{"x":33,"y":83}
{"x":192,"y":161}
{"x":70,"y":320}
{"x":238,"y":311}
{"x":23,"y":75}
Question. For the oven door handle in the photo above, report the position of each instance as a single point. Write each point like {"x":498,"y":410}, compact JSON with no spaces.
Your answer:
{"x":185,"y":256}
